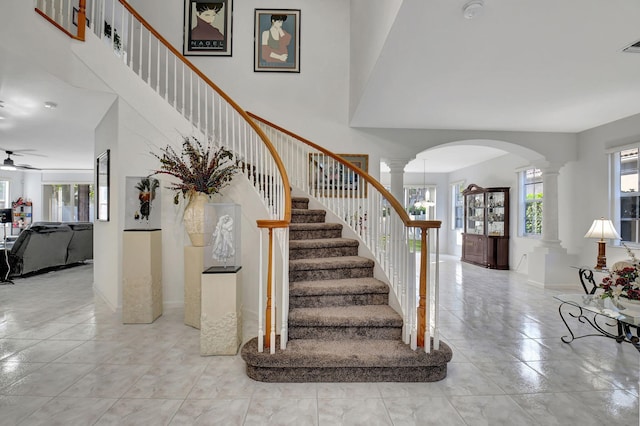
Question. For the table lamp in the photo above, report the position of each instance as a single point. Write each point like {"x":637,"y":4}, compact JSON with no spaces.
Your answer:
{"x":603,"y":229}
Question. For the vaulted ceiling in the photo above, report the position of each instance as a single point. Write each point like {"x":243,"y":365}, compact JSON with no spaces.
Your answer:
{"x":544,"y":65}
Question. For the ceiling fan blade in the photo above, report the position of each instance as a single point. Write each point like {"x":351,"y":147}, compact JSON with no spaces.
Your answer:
{"x":21,"y":152}
{"x":26,"y":167}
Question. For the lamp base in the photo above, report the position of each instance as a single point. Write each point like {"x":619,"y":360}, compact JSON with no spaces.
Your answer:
{"x":602,"y":258}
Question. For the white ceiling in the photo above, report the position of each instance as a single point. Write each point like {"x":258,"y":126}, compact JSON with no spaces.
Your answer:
{"x":58,"y":138}
{"x":525,"y":65}
{"x":449,"y":159}
{"x":544,"y":65}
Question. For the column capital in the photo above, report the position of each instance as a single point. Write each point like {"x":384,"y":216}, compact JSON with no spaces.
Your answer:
{"x":548,"y":168}
{"x":396,"y":165}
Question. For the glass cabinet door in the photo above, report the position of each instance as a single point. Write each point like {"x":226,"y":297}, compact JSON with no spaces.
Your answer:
{"x":475,"y":214}
{"x":496,"y":214}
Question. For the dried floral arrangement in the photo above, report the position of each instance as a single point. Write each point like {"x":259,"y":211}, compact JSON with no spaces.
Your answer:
{"x":199,"y":168}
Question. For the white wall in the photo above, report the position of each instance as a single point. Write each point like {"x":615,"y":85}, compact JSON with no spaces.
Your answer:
{"x":591,"y":192}
{"x":107,"y":249}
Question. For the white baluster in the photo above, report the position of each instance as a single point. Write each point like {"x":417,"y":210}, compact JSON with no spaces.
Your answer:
{"x":260,"y":295}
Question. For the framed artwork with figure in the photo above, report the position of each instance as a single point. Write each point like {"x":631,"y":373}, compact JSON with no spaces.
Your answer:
{"x":207,"y":28}
{"x":276,"y":40}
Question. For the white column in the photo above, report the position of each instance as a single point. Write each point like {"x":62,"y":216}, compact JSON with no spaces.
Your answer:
{"x":549,"y":264}
{"x":396,"y":166}
{"x":550,"y":235}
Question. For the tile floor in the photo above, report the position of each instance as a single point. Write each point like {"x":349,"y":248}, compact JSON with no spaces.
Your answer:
{"x":67,"y":360}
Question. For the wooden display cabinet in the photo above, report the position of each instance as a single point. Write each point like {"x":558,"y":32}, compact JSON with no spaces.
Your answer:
{"x":485,"y":241}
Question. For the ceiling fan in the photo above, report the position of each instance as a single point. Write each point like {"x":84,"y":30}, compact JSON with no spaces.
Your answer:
{"x":8,"y":163}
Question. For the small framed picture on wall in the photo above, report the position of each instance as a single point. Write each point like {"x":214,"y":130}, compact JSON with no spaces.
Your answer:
{"x":276,"y":40}
{"x":207,"y":28}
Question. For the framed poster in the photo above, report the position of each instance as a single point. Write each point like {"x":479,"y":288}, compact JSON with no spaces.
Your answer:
{"x":74,"y":18}
{"x":276,"y":40}
{"x":102,"y":194}
{"x":330,"y":178}
{"x":207,"y":28}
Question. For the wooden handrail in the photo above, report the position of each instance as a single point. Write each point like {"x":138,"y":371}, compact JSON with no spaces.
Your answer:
{"x":58,"y":26}
{"x":242,"y":112}
{"x":404,"y":216}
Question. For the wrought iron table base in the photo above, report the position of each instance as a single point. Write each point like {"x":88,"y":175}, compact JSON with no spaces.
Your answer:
{"x":625,"y":333}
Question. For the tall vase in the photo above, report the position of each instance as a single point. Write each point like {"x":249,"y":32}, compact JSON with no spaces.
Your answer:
{"x":194,"y":220}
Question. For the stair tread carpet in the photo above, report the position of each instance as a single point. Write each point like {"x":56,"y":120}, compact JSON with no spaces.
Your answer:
{"x":345,"y":353}
{"x":330,"y":263}
{"x":345,"y":316}
{"x":308,"y":212}
{"x":347,"y":286}
{"x":313,"y":226}
{"x":322,"y":243}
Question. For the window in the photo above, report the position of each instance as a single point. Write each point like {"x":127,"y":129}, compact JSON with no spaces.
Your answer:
{"x":629,"y":194}
{"x":420,"y":201}
{"x":532,"y":200}
{"x":67,"y":202}
{"x":457,"y":206}
{"x":4,"y":194}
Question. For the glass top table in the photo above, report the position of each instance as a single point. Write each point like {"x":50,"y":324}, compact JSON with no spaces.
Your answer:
{"x":604,"y":315}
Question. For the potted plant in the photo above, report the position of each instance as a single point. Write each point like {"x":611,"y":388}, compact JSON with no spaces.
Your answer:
{"x":623,"y":283}
{"x":201,"y":170}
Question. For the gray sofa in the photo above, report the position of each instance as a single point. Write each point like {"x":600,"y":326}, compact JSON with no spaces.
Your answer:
{"x":46,"y":245}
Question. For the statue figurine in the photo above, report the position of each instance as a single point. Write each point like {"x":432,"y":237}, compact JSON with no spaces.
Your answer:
{"x":223,"y":247}
{"x":147,"y":187}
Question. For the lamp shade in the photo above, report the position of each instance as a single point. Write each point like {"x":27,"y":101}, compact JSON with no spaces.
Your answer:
{"x":603,"y":229}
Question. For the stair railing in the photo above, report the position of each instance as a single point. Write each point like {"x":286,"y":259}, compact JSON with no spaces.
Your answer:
{"x":64,"y":15}
{"x":379,"y":220}
{"x":211,"y":111}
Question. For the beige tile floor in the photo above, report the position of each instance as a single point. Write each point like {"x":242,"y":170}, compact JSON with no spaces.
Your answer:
{"x":67,"y":360}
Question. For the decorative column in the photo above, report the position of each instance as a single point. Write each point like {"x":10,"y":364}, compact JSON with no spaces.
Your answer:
{"x":549,"y":264}
{"x":396,"y":166}
{"x":550,"y":236}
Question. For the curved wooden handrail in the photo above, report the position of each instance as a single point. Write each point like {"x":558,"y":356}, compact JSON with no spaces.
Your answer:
{"x":404,"y":216}
{"x":58,"y":26}
{"x":283,"y":172}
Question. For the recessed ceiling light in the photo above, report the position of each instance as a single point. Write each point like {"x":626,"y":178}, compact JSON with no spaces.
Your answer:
{"x":50,"y":105}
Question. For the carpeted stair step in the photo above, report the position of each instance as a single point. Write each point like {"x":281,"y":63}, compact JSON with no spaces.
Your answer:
{"x":316,"y":360}
{"x":345,"y":322}
{"x":299,"y":203}
{"x":312,"y":231}
{"x":344,"y":292}
{"x":327,"y":247}
{"x":307,"y":216}
{"x":330,"y":268}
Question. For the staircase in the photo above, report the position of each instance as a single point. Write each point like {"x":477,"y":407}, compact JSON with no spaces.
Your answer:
{"x":341,"y":327}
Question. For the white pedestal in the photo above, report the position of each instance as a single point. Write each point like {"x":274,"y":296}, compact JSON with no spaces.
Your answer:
{"x":193,"y":267}
{"x":220,"y":321}
{"x":141,"y":276}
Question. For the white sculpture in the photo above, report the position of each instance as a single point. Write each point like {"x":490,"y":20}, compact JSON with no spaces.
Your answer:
{"x":223,"y":247}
